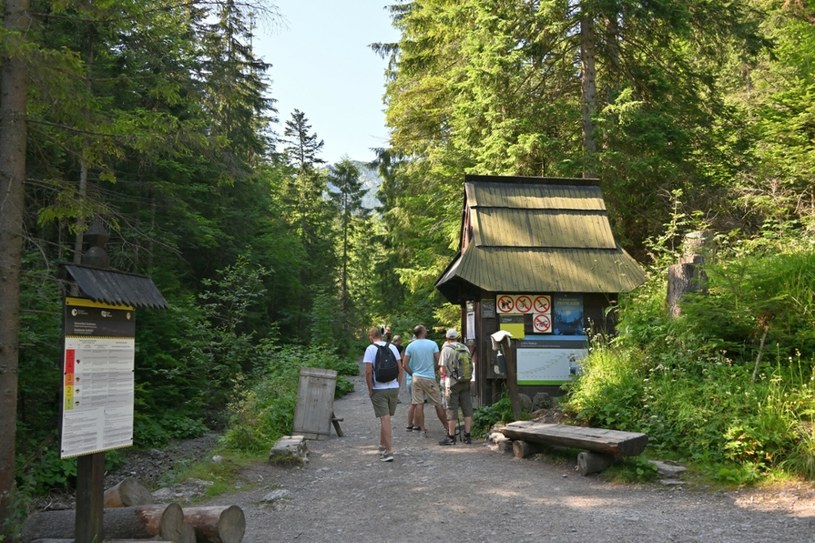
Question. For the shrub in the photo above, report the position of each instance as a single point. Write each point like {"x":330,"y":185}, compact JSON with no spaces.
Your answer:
{"x":263,"y":411}
{"x":487,"y":416}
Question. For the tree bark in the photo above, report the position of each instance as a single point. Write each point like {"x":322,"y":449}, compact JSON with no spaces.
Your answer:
{"x":141,"y":522}
{"x":590,"y":462}
{"x":127,"y":493}
{"x":525,"y":449}
{"x":216,"y":524}
{"x":13,"y":96}
{"x":588,"y":85}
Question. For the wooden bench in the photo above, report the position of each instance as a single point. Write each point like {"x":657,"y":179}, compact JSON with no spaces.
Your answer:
{"x":602,"y":446}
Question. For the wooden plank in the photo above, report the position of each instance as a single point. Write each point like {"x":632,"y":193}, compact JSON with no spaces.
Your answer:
{"x":600,"y":440}
{"x":336,"y":422}
{"x":315,"y":402}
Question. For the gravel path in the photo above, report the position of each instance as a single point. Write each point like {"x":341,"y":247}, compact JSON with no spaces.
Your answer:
{"x":472,"y":493}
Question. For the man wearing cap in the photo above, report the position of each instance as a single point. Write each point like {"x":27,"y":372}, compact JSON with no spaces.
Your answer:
{"x":456,"y":394}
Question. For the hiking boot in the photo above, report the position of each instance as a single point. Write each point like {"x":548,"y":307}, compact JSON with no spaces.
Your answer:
{"x":448,"y":440}
{"x":468,"y":440}
{"x":387,"y":457}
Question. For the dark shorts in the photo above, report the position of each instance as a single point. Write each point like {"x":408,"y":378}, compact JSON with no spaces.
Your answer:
{"x":457,"y":396}
{"x":384,"y":401}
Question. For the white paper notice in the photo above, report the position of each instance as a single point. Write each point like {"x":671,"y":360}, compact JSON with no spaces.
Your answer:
{"x":98,"y":392}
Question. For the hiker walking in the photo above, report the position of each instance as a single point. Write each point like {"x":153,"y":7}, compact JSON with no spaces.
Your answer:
{"x":383,"y":374}
{"x":455,"y":365}
{"x":420,"y":359}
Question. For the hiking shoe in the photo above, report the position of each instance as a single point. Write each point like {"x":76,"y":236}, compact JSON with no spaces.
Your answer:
{"x":448,"y":440}
{"x":409,"y":428}
{"x":468,"y":440}
{"x":387,"y":457}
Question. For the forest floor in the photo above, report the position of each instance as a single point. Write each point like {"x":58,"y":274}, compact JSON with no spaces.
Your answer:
{"x":472,"y":493}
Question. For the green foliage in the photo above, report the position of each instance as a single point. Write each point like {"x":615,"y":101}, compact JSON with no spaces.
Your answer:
{"x":486,"y":416}
{"x":263,"y":411}
{"x":753,"y":293}
{"x":635,"y":469}
{"x":689,"y":383}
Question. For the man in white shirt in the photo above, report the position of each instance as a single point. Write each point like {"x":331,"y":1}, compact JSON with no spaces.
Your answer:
{"x":384,"y":396}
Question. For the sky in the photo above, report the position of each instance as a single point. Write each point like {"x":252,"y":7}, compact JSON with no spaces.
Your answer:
{"x":322,"y":65}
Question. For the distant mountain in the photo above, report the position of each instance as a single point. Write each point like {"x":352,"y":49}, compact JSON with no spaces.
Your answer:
{"x":370,"y":181}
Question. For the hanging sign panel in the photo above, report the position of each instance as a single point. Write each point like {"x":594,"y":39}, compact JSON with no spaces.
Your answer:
{"x":98,"y":381}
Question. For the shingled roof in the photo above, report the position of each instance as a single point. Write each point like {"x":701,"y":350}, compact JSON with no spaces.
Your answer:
{"x":534,"y":234}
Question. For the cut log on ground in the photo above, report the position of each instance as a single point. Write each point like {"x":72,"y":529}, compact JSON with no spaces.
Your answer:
{"x":127,"y":493}
{"x":525,"y":449}
{"x":590,"y":462}
{"x":187,"y":533}
{"x":216,"y":524}
{"x":139,"y":522}
{"x":613,"y":442}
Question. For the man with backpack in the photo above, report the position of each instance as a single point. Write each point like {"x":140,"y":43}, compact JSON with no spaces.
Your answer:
{"x":455,"y":364}
{"x":383,"y":375}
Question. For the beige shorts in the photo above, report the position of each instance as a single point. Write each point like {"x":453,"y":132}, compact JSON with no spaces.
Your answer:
{"x":424,"y":387}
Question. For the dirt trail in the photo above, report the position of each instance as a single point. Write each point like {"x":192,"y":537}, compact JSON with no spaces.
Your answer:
{"x":470,"y":493}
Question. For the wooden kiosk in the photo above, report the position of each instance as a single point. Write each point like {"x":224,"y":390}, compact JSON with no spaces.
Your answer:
{"x":537,"y":259}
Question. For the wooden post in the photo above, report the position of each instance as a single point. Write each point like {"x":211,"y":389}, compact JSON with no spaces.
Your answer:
{"x":591,"y":462}
{"x":512,"y":380}
{"x":90,"y":491}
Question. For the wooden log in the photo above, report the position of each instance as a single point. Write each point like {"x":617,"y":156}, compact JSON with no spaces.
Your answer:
{"x":590,"y":462}
{"x":139,"y":522}
{"x":525,"y":449}
{"x":127,"y":493}
{"x":186,"y":534}
{"x":613,"y":442}
{"x":216,"y":524}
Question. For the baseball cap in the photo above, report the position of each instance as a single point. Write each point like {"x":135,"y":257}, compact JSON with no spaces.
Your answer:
{"x":451,"y":334}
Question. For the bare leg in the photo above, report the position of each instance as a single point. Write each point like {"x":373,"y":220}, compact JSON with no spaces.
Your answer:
{"x":385,"y":435}
{"x":418,"y":415}
{"x":442,"y":416}
{"x":411,"y":411}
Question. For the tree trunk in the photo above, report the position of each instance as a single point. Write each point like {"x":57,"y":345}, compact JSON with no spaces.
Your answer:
{"x":127,"y":493}
{"x":216,"y":524}
{"x":13,"y":95}
{"x":588,"y":85}
{"x":140,"y":522}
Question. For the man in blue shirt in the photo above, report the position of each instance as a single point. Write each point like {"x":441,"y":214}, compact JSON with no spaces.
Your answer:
{"x":419,"y":361}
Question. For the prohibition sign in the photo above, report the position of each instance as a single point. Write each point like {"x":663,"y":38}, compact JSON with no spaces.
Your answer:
{"x":542,"y":323}
{"x":506,"y":304}
{"x":542,"y":304}
{"x":523,"y":304}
